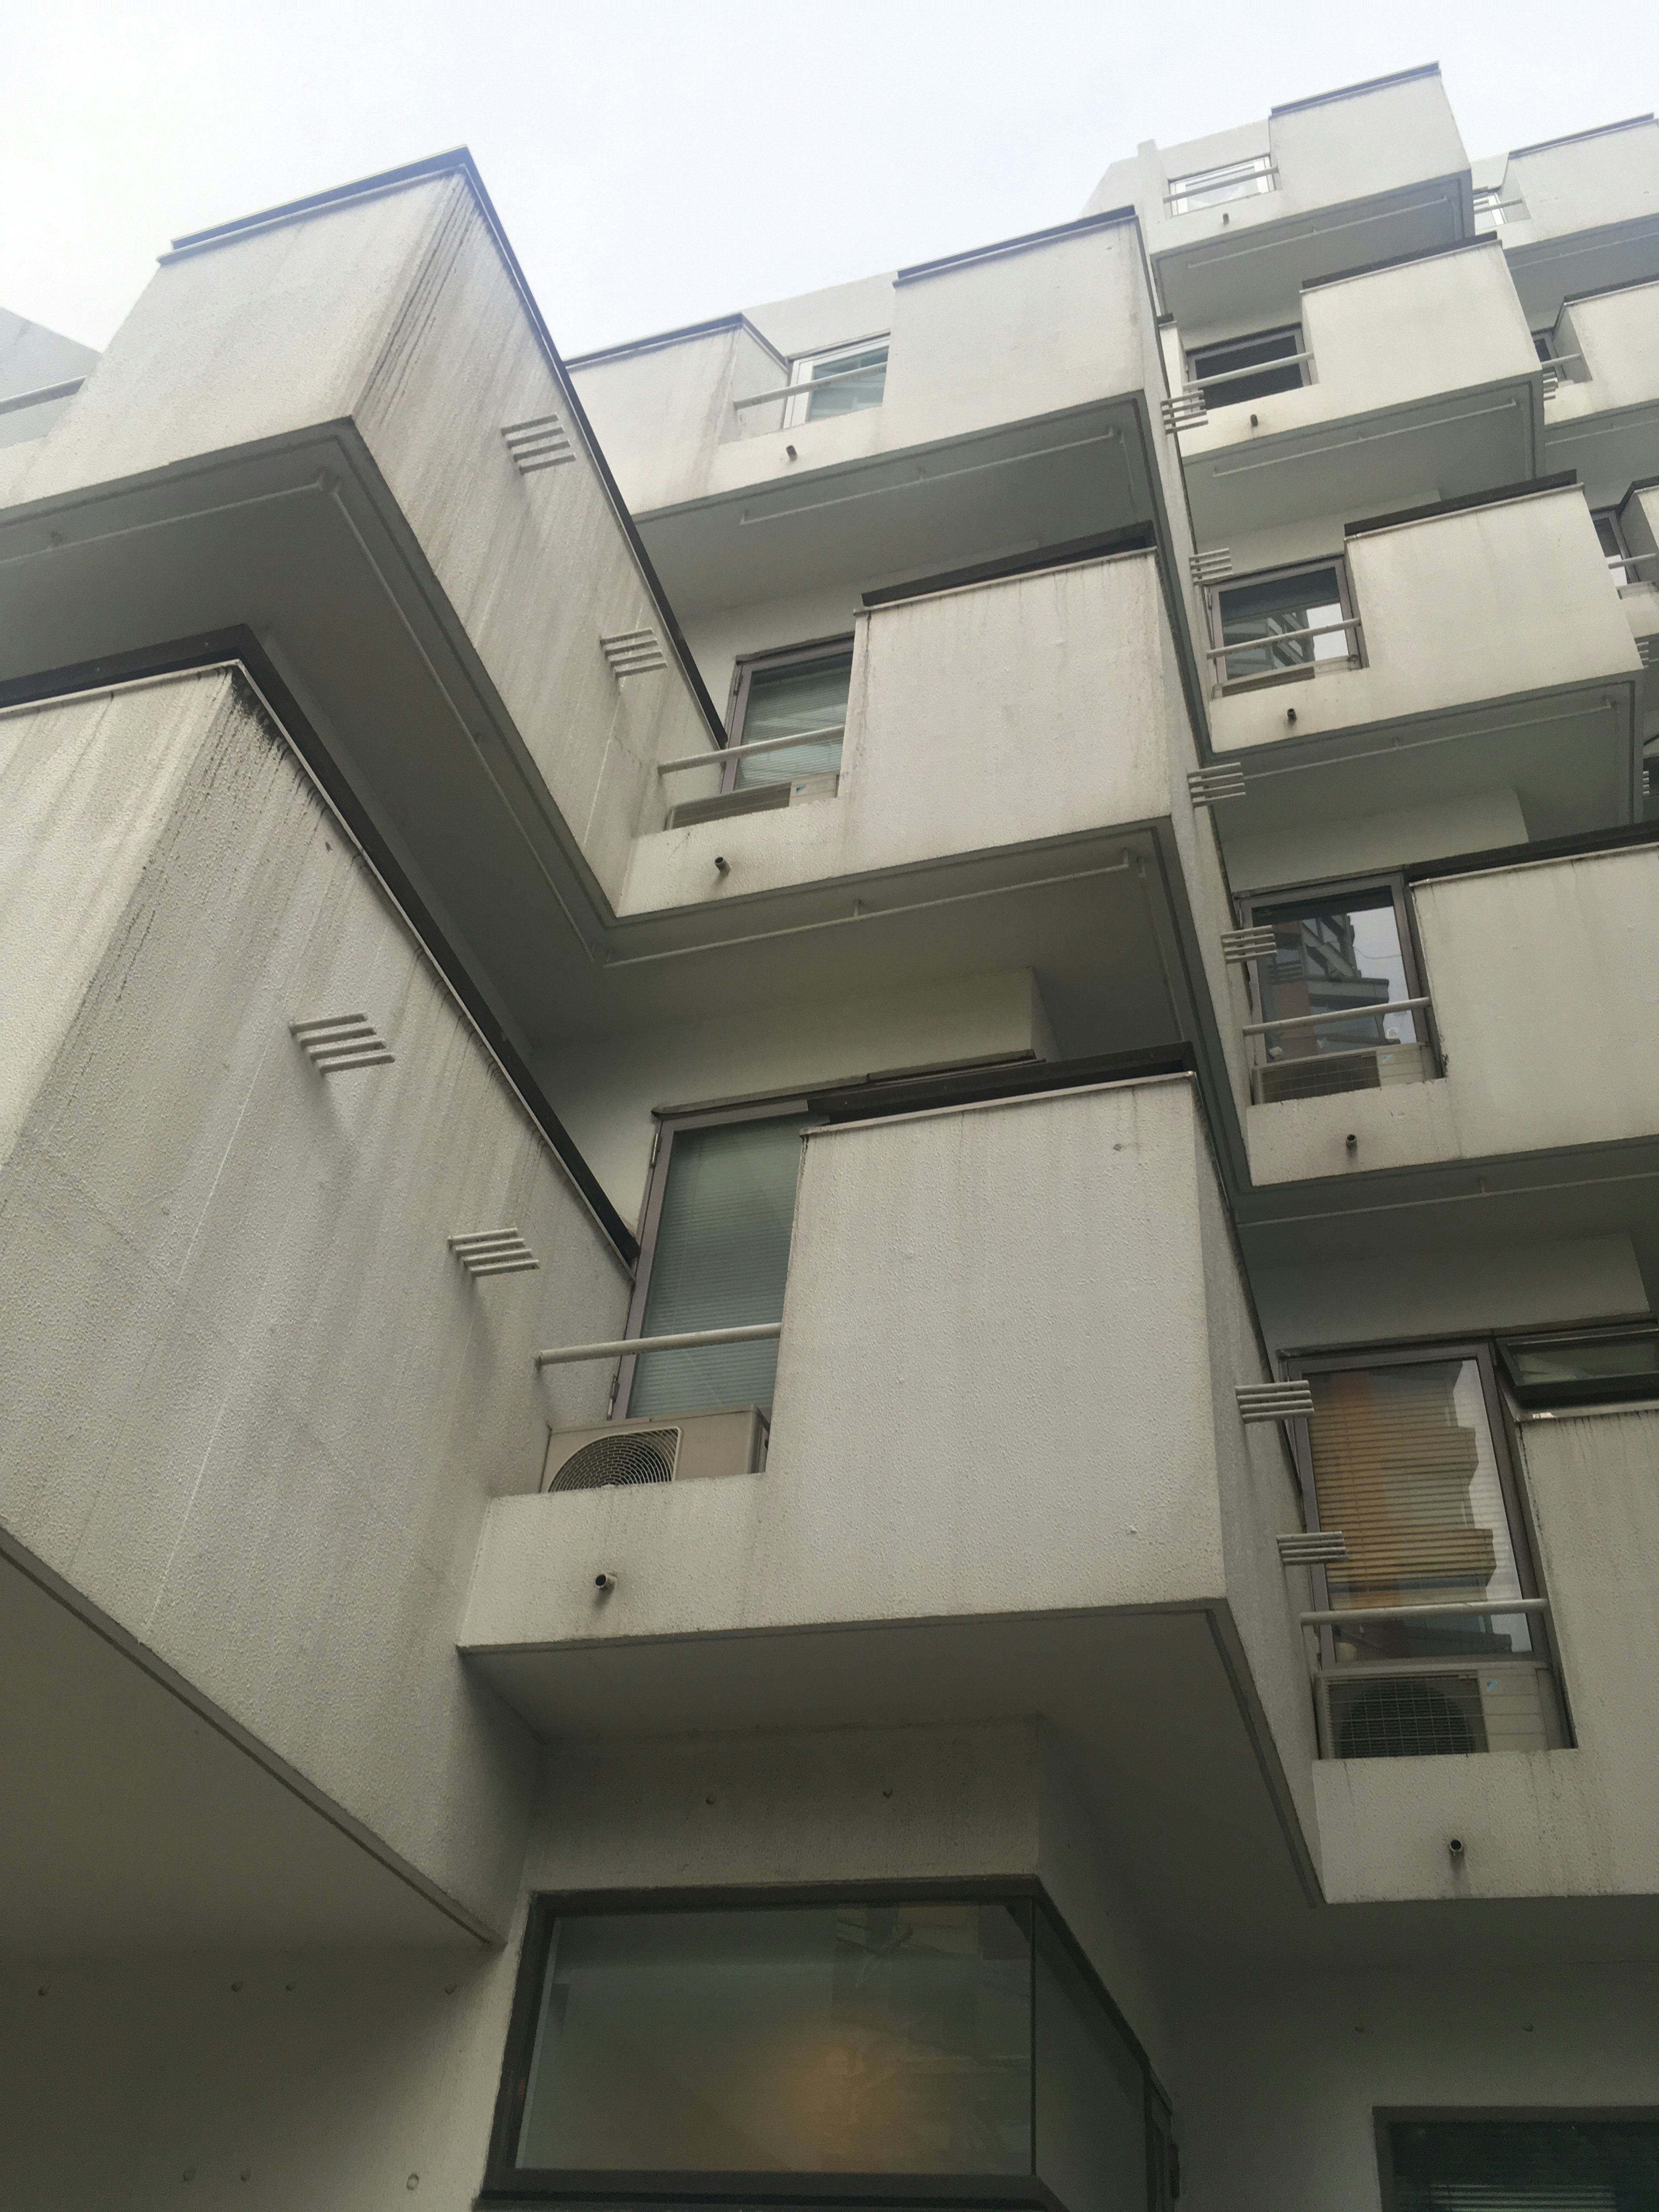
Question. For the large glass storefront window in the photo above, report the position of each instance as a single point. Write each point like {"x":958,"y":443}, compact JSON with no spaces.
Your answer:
{"x":741,"y":2052}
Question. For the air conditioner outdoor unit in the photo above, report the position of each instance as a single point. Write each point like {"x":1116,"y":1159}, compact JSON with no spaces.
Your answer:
{"x":681,"y":1447}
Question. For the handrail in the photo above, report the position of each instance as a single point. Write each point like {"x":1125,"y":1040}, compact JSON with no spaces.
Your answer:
{"x":754,"y":746}
{"x":1235,"y":376}
{"x":1456,"y":1610}
{"x":691,"y":1339}
{"x":1336,"y":1014}
{"x":1279,"y":637}
{"x":39,"y":396}
{"x":809,"y":383}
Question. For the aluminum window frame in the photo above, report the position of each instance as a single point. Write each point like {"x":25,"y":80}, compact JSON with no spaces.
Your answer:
{"x":670,"y":1125}
{"x":1222,"y":686}
{"x":797,"y":408}
{"x":1253,"y":905}
{"x":509,"y":2184}
{"x":747,"y":666}
{"x":1383,"y":2116}
{"x":1482,"y":1350}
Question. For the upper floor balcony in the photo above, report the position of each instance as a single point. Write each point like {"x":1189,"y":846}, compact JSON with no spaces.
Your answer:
{"x":1580,"y":213}
{"x":1236,"y":225}
{"x":1523,"y":1021}
{"x":1601,"y":418}
{"x":1422,"y":374}
{"x":1008,"y":1473}
{"x":1464,"y":649}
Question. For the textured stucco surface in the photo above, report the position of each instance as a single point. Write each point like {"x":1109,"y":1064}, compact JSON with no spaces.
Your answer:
{"x":264,"y":1409}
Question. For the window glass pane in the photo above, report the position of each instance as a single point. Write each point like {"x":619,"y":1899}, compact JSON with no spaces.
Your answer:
{"x":845,"y":382}
{"x":1604,"y":1356}
{"x":721,"y":1254}
{"x":1090,"y":2094}
{"x":1220,"y":368}
{"x":1261,"y":619}
{"x":1338,"y":954}
{"x":1525,"y":2166}
{"x":802,"y":694}
{"x":849,"y":2038}
{"x":1233,"y":181}
{"x":1404,"y":1464}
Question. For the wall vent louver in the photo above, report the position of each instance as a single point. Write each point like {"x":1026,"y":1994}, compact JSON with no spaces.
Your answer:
{"x":1312,"y":1548}
{"x":637,"y":1456}
{"x":1183,"y":410}
{"x":1209,"y":786}
{"x":541,"y":443}
{"x":1273,"y":1402}
{"x":340,"y":1042}
{"x":1209,"y":567}
{"x":493,"y":1252}
{"x":1647,"y":650}
{"x":1239,"y":946}
{"x":633,"y":651}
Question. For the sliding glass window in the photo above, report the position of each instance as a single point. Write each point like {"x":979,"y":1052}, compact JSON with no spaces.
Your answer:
{"x":1292,"y":624}
{"x":1335,"y":992}
{"x":780,"y":696}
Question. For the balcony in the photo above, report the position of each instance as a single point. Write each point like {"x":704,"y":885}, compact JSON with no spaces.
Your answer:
{"x":1422,"y":375}
{"x":1534,"y":981}
{"x":1603,"y":417}
{"x":1007,"y":1475}
{"x":1490,"y":652}
{"x":1358,"y":176}
{"x":1014,"y":408}
{"x":1581,"y":214}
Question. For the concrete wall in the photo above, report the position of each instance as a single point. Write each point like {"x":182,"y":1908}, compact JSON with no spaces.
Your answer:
{"x":398,"y":312}
{"x":1617,"y":334}
{"x":1488,"y":604}
{"x":1285,"y":2071}
{"x":1584,"y":183}
{"x":1040,"y":707}
{"x":1547,"y":1008}
{"x":659,"y":411}
{"x":263,"y":1409}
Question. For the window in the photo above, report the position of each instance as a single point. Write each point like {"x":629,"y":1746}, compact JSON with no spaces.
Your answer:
{"x":715,"y":1252}
{"x":1293,"y":623}
{"x":1610,"y":537}
{"x":1336,"y":992}
{"x":1404,"y":1454}
{"x":842,"y":382}
{"x":1248,"y":367}
{"x":1231,"y":180}
{"x":1489,"y":201}
{"x":776,"y":697}
{"x":1591,"y":2163}
{"x":730,"y":2050}
{"x":1584,"y":1366}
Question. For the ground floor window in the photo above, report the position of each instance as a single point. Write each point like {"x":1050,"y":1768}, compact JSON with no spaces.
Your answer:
{"x":757,"y":2052}
{"x":1587,"y":2164}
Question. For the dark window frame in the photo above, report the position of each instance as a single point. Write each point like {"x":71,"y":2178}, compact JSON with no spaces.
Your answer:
{"x":749,"y":664}
{"x":670,"y":1126}
{"x":1241,"y":392}
{"x":1384,"y":2117}
{"x":507,"y":2183}
{"x":1482,"y":1349}
{"x":1336,"y":564}
{"x":1252,"y":905}
{"x":1593,"y":1390}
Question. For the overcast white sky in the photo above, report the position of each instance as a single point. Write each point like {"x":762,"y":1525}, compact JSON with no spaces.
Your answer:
{"x":656,"y":162}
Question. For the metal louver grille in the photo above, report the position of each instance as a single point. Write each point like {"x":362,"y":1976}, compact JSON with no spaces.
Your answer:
{"x":1273,"y":1402}
{"x":1240,"y":945}
{"x":494,"y":1252}
{"x":543,"y":442}
{"x":633,"y":652}
{"x":1209,"y":567}
{"x":1312,"y":1548}
{"x":340,"y":1042}
{"x":1183,"y":409}
{"x":612,"y":1462}
{"x":1209,"y":785}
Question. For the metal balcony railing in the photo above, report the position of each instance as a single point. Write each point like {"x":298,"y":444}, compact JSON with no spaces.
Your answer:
{"x":742,"y":752}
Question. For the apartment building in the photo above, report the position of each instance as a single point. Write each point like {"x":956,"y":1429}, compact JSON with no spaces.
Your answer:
{"x":829,"y":1209}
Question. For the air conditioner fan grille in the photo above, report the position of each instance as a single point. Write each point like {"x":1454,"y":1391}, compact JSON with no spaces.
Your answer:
{"x":636,"y":1456}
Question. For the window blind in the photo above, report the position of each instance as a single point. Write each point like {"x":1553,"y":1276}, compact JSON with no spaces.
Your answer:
{"x":719,"y":1260}
{"x":1404,"y":1464}
{"x":1525,"y":2166}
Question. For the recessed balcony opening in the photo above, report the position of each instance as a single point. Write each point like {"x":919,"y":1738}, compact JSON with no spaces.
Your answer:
{"x":1341,"y":1004}
{"x":788,"y":717}
{"x":1248,"y":368}
{"x":1432,"y":1637}
{"x":1275,"y":629}
{"x":956,"y":2049}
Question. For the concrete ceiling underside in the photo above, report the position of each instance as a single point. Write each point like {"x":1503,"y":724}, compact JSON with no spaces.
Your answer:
{"x":133,"y":1824}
